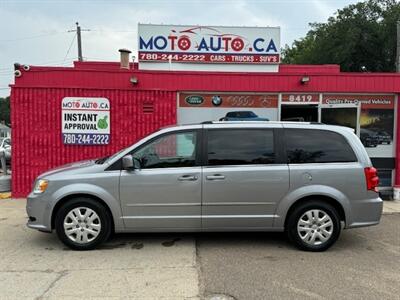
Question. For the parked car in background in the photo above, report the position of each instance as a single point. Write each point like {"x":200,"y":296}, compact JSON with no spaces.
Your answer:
{"x":220,"y":176}
{"x":384,"y":137}
{"x":5,"y":145}
{"x":242,"y":116}
{"x":294,"y":119}
{"x":369,"y":138}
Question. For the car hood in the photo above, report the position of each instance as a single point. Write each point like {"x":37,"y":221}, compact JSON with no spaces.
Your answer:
{"x":75,"y":167}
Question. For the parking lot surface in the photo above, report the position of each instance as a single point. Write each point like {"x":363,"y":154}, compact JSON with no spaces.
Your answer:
{"x":35,"y":265}
{"x":364,"y":264}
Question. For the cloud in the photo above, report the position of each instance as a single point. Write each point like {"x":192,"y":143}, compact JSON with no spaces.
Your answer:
{"x":113,"y":25}
{"x":323,"y":9}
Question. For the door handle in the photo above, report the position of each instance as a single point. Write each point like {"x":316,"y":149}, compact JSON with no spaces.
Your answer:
{"x":215,"y":177}
{"x":187,"y":178}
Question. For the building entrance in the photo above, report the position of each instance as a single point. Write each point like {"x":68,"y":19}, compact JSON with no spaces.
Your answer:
{"x":299,"y":113}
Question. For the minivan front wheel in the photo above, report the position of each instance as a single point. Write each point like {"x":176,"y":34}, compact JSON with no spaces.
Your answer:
{"x":83,"y":224}
{"x":314,"y":226}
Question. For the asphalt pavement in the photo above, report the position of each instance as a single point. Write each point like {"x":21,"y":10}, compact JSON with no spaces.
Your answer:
{"x":35,"y":265}
{"x":363,"y":264}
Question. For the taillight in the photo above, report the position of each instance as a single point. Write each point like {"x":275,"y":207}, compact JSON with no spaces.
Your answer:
{"x":371,"y":176}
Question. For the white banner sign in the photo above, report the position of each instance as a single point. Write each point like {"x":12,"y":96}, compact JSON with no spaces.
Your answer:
{"x":85,"y":121}
{"x":209,"y":44}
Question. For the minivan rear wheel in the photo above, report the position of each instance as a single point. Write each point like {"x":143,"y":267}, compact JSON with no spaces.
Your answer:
{"x":83,"y":223}
{"x":314,"y":226}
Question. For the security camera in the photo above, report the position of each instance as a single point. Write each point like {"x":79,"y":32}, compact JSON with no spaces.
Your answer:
{"x":304,"y":79}
{"x":17,"y":73}
{"x":26,"y":67}
{"x":364,"y":68}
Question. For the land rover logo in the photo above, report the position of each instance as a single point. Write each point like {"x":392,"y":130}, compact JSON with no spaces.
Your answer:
{"x":216,"y":100}
{"x":194,"y":100}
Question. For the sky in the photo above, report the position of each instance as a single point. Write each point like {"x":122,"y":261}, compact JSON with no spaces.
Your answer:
{"x":35,"y":32}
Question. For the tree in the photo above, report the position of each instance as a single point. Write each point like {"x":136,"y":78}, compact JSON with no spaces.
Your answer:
{"x":361,"y":34}
{"x":5,"y":110}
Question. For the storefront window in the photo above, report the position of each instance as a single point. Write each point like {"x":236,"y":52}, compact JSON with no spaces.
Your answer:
{"x":340,"y":116}
{"x":376,"y":120}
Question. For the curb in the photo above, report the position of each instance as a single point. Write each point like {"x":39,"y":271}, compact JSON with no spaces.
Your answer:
{"x":390,"y":212}
{"x":391,"y":207}
{"x":5,"y":195}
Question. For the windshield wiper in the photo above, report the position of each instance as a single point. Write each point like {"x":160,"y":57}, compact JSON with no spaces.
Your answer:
{"x":101,"y":161}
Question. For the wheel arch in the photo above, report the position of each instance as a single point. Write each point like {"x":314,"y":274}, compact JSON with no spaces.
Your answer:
{"x":327,"y":199}
{"x":66,"y":198}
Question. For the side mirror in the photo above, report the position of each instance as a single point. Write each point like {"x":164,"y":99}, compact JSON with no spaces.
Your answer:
{"x":127,"y":162}
{"x":130,"y":163}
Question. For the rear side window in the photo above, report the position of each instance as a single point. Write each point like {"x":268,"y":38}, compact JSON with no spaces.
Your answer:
{"x":317,"y":146}
{"x":240,"y":147}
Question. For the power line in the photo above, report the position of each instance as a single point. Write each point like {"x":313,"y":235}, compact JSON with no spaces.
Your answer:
{"x":70,"y":46}
{"x":39,"y":63}
{"x":56,"y":63}
{"x":30,"y":37}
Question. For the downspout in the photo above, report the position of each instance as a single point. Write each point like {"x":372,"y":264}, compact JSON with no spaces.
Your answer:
{"x":396,"y":188}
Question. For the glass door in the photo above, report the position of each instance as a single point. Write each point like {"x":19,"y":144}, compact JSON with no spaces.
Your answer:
{"x":341,"y":114}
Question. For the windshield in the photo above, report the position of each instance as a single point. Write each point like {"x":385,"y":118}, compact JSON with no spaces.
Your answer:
{"x":241,"y":114}
{"x":102,"y":160}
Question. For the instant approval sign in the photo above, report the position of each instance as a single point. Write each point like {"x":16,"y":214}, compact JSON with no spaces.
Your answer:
{"x":85,"y":121}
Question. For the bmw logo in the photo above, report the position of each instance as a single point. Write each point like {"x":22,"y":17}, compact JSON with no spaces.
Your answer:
{"x":216,"y":100}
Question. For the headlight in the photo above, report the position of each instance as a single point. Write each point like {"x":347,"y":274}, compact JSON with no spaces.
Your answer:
{"x":40,"y":186}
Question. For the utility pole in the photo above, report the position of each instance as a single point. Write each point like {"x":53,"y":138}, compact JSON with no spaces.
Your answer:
{"x":398,"y":48}
{"x":78,"y":31}
{"x":78,"y":36}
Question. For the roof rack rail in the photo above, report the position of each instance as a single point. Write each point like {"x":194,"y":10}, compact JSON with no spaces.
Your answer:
{"x":260,"y":122}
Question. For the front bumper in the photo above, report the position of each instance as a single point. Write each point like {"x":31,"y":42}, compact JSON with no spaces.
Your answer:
{"x":365,"y":213}
{"x":39,"y":212}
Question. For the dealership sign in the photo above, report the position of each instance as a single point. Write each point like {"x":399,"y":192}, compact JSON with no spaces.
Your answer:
{"x":217,"y":100}
{"x":366,"y":101}
{"x":85,"y":121}
{"x":209,"y":44}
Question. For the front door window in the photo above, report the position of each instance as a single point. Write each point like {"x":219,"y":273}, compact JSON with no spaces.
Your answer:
{"x":169,"y":151}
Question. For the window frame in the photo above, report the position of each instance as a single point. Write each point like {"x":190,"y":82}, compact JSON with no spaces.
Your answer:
{"x":198,"y":147}
{"x":286,"y":156}
{"x":277,"y":146}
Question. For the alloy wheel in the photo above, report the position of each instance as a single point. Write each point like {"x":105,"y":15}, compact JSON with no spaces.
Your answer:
{"x":315,"y":227}
{"x":82,"y":225}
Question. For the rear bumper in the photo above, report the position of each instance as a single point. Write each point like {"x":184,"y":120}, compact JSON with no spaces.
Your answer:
{"x":38,"y":210}
{"x":365,"y":213}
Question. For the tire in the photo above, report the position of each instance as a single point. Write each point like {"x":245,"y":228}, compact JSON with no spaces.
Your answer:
{"x":302,"y":233}
{"x":88,"y":222}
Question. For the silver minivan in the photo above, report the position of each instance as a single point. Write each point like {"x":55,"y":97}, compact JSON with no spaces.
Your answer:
{"x":309,"y":180}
